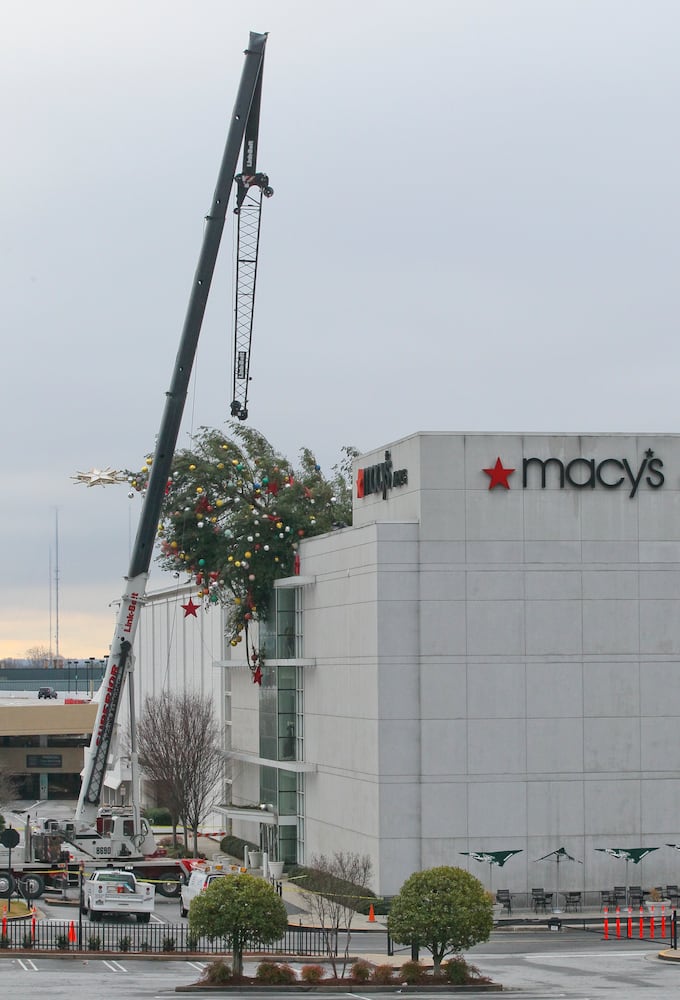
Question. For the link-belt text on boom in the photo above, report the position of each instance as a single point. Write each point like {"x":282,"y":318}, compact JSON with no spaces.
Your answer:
{"x":131,"y":612}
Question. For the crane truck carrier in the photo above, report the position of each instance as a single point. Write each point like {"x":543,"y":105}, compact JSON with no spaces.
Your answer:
{"x":52,"y":852}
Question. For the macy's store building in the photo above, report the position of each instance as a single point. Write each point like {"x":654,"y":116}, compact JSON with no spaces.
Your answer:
{"x":488,"y":659}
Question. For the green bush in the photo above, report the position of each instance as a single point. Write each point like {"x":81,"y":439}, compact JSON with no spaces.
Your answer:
{"x":168,"y":944}
{"x":383,"y":974}
{"x":158,"y":816}
{"x":217,"y":973}
{"x":309,"y":878}
{"x":4,"y":941}
{"x":2,"y":822}
{"x":274,"y":973}
{"x":312,"y":973}
{"x":124,"y":943}
{"x":94,"y":942}
{"x":235,"y":847}
{"x":361,"y":971}
{"x":456,"y":970}
{"x":411,"y":972}
{"x":27,"y":941}
{"x":62,"y":942}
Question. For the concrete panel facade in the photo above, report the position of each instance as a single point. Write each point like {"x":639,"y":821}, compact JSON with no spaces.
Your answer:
{"x":498,"y":667}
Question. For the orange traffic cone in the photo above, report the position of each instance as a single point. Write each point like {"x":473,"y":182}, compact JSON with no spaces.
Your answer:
{"x":72,"y":933}
{"x":371,"y":914}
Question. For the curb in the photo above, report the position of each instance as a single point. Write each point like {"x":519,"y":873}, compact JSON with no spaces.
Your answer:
{"x":351,"y":987}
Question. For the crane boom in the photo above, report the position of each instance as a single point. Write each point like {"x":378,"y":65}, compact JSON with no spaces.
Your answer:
{"x":119,"y":661}
{"x":252,"y":186}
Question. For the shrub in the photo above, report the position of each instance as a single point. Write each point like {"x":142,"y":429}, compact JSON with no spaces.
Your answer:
{"x":27,"y":941}
{"x":159,"y":816}
{"x":168,"y":944}
{"x":216,"y":973}
{"x":312,"y":973}
{"x":124,"y":944}
{"x":411,"y":972}
{"x":4,"y":941}
{"x":192,"y":942}
{"x":144,"y":945}
{"x":62,"y":942}
{"x":94,"y":942}
{"x":274,"y":974}
{"x":325,"y":883}
{"x":456,"y":970}
{"x":235,"y":847}
{"x":383,"y":974}
{"x":361,"y":971}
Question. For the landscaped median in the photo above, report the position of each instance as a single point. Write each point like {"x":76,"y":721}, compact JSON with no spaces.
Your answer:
{"x":456,"y":976}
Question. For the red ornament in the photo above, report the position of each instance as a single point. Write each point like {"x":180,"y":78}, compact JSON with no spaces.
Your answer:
{"x":257,"y":676}
{"x":190,"y":609}
{"x":297,"y":564}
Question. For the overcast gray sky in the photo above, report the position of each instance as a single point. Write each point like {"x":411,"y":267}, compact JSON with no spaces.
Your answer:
{"x":475,"y":228}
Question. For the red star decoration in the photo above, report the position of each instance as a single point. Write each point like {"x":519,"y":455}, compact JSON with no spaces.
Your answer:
{"x":257,"y":676}
{"x":190,"y":609}
{"x":498,"y":476}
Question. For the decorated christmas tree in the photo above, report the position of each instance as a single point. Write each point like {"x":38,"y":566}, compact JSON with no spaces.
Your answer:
{"x":234,"y":514}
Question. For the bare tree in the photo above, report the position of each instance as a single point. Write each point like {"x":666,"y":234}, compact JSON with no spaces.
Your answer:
{"x":202,"y":761}
{"x":340,"y":882}
{"x":8,"y":786}
{"x":39,"y":656}
{"x":179,"y":748}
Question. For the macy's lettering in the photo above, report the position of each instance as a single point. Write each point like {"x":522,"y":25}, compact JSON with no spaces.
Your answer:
{"x":582,"y":473}
{"x":380,"y":478}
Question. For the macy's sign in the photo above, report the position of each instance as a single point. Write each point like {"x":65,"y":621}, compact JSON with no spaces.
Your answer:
{"x":581,"y":473}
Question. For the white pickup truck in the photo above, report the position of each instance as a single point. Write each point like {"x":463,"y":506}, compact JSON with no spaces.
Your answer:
{"x":111,"y":890}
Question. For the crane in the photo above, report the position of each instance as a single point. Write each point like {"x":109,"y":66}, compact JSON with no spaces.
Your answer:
{"x":251,"y":187}
{"x":243,"y":124}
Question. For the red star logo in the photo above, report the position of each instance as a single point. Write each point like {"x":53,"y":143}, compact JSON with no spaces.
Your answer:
{"x":257,"y":676}
{"x":498,"y":476}
{"x":190,"y":609}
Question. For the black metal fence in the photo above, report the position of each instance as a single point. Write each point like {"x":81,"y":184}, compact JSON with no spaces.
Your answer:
{"x":153,"y":938}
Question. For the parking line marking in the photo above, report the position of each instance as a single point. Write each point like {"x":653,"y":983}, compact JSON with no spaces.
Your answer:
{"x":114,"y":966}
{"x":28,"y":965}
